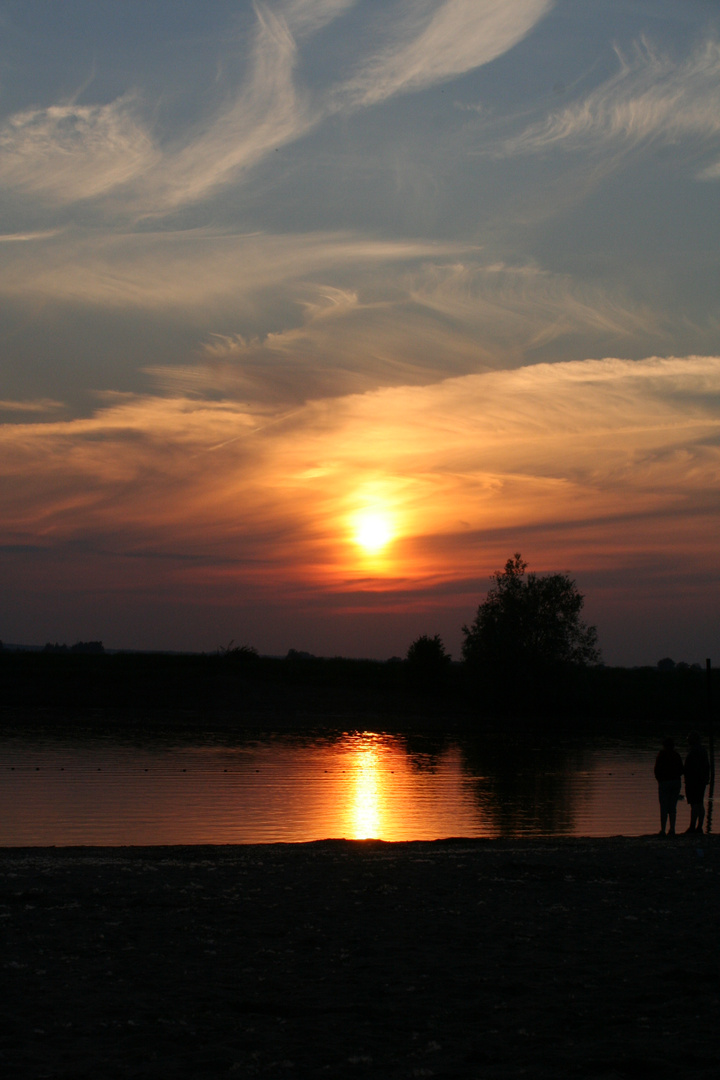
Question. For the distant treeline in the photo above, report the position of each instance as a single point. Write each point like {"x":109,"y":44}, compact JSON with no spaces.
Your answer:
{"x":527,"y":657}
{"x":299,"y":687}
{"x":78,"y":647}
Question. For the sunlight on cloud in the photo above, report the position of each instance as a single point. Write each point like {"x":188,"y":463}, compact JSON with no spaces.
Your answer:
{"x":347,"y":321}
{"x":395,"y":486}
{"x":189,"y":269}
{"x":444,"y":318}
{"x":334,"y":313}
{"x":38,"y":405}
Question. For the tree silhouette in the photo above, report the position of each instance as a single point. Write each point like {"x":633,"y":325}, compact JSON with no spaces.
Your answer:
{"x":527,"y":629}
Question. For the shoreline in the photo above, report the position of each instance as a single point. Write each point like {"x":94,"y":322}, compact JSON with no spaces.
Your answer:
{"x":562,"y":839}
{"x":555,"y":956}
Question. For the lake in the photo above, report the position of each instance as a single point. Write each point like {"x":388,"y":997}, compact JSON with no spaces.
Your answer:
{"x":356,"y":785}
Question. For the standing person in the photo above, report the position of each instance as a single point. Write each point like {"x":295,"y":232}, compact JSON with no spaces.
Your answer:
{"x":697,"y":774}
{"x":668,"y":773}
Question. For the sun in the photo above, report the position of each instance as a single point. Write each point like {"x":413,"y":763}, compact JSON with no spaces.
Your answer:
{"x":373,"y":531}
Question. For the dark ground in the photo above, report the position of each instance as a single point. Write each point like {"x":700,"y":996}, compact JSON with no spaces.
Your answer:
{"x":472,"y":959}
{"x":239,"y":692}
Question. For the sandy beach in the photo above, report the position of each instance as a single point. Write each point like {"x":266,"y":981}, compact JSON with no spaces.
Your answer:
{"x":477,"y":959}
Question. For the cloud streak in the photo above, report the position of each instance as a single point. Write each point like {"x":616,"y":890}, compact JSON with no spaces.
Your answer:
{"x":432,"y":320}
{"x":193,"y":267}
{"x":69,"y":153}
{"x":651,"y":99}
{"x":306,"y":17}
{"x":268,"y":112}
{"x":40,"y":405}
{"x":405,"y":316}
{"x":433,"y":43}
{"x":324,"y":282}
{"x":555,"y":450}
{"x":358,"y":312}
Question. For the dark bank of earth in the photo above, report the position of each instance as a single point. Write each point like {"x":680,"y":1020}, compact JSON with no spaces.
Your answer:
{"x":582,"y":958}
{"x":196,"y":693}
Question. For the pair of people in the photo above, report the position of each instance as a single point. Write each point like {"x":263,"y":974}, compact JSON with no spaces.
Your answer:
{"x":669,"y":770}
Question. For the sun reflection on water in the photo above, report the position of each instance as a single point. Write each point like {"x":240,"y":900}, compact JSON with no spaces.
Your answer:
{"x":366,"y":810}
{"x":357,"y":785}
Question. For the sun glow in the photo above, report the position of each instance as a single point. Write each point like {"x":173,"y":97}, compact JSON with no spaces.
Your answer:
{"x":372,"y":531}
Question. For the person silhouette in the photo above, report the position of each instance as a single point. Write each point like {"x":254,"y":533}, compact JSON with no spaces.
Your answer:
{"x":668,"y":773}
{"x":697,"y":774}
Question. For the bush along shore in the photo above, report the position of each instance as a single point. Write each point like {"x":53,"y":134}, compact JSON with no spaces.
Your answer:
{"x":247,"y":689}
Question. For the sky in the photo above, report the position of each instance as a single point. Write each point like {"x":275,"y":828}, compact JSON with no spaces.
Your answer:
{"x":314,"y":312}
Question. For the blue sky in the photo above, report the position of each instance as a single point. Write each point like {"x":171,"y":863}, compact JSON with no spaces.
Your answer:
{"x":268,"y":268}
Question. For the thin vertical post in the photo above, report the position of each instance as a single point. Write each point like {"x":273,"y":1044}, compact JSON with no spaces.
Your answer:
{"x":711,"y":742}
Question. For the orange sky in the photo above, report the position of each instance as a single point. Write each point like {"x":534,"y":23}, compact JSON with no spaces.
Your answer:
{"x":586,"y":463}
{"x":279,"y":275}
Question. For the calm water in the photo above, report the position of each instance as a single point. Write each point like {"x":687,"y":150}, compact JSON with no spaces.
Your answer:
{"x":358,"y":785}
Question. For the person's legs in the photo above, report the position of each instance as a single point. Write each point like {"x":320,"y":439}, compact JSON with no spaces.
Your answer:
{"x":699,"y":813}
{"x":696,"y":801}
{"x":664,"y":805}
{"x":693,"y":818}
{"x":673,"y":796}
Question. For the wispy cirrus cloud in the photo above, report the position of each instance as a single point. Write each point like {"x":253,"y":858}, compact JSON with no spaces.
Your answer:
{"x":651,"y":99}
{"x":357,"y":312}
{"x":27,"y":237}
{"x":267,"y":112}
{"x":194,"y":267}
{"x":413,"y":324}
{"x":67,"y":153}
{"x":197,"y":267}
{"x":36,"y":405}
{"x":447,"y":316}
{"x":430,"y":43}
{"x":309,"y":16}
{"x":391,"y":308}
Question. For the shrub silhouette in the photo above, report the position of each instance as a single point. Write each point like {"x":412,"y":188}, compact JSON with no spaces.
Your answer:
{"x":428,"y":663}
